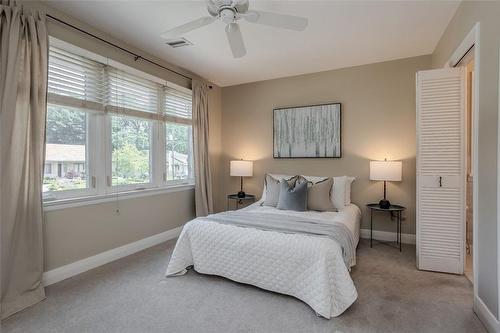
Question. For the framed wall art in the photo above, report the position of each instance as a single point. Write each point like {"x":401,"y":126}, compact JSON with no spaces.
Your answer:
{"x":307,"y":131}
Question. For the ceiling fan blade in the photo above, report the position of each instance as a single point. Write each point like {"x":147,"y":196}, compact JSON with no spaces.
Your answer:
{"x":291,"y":22}
{"x":235,"y":40}
{"x":187,"y":27}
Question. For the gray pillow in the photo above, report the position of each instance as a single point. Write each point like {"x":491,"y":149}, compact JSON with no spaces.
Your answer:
{"x":319,"y":194}
{"x":292,"y":198}
{"x":273,"y":189}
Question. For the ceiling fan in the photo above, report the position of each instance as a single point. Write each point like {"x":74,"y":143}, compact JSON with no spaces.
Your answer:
{"x":230,"y":12}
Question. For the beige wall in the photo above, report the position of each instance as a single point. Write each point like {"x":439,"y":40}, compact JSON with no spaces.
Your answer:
{"x":488,"y":14}
{"x":73,"y":234}
{"x":378,"y":121}
{"x":76,"y":233}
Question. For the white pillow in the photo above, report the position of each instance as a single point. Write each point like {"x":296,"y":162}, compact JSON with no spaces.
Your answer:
{"x":348,"y":185}
{"x":339,"y":192}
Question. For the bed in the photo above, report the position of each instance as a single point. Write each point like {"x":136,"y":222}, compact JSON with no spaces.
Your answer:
{"x":305,"y":264}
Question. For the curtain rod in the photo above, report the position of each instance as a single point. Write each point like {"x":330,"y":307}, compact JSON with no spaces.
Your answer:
{"x":135,"y":55}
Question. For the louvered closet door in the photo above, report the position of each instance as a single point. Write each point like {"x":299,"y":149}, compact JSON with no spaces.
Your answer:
{"x":441,"y":170}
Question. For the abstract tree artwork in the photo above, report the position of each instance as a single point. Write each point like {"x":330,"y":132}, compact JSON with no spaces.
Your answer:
{"x":307,"y":131}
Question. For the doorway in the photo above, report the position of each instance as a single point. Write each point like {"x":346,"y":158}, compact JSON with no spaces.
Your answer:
{"x":467,"y":61}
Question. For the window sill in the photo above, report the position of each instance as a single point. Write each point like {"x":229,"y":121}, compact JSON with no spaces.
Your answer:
{"x":103,"y":198}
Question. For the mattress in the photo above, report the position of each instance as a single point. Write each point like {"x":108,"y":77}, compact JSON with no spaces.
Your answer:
{"x":310,"y":268}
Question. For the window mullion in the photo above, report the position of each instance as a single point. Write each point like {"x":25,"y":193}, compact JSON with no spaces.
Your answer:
{"x":107,"y":151}
{"x":91,"y":153}
{"x":98,"y":152}
{"x":161,"y":144}
{"x":157,"y":157}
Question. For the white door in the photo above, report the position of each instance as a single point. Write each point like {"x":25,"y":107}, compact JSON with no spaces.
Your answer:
{"x":441,"y":170}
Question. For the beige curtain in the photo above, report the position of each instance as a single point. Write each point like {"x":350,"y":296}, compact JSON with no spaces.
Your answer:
{"x":23,"y":89}
{"x":203,"y":182}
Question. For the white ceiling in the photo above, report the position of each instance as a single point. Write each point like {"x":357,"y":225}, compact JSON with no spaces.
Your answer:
{"x":339,"y":34}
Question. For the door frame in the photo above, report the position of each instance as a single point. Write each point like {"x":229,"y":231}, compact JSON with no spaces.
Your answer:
{"x":473,"y":39}
{"x":470,"y":41}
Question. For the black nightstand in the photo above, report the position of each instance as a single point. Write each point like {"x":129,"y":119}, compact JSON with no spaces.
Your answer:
{"x":393,"y":209}
{"x":239,"y":201}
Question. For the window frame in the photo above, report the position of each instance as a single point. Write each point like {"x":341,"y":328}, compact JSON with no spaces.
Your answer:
{"x":109,"y":158}
{"x":99,"y":141}
{"x":177,"y":181}
{"x":90,"y":161}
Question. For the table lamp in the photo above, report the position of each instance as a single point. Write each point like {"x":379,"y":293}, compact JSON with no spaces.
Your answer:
{"x":385,"y":171}
{"x":241,"y":169}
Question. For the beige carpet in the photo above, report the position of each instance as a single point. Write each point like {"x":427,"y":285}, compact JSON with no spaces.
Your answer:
{"x":130,"y":295}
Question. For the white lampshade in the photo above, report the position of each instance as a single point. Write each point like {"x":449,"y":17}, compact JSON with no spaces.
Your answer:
{"x":386,"y":170}
{"x":241,"y":168}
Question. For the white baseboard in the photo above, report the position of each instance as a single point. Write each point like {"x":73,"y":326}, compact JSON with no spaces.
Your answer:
{"x":487,"y":318}
{"x":388,"y":236}
{"x":80,"y":266}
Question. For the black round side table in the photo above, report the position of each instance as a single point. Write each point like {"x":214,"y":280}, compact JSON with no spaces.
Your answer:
{"x":239,"y":201}
{"x":397,"y":209}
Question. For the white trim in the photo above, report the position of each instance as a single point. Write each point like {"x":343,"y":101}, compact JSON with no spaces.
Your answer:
{"x":475,"y":156}
{"x":178,"y":87}
{"x":103,"y":198}
{"x":498,"y":192}
{"x":473,"y":39}
{"x":387,"y":236}
{"x":482,"y":311}
{"x":485,"y":315}
{"x":469,"y":41}
{"x":80,"y":266}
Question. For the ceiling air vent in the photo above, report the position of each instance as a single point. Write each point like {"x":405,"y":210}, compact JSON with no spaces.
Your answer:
{"x":178,"y":42}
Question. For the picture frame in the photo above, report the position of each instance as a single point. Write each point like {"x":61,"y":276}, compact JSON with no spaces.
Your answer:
{"x":310,"y":131}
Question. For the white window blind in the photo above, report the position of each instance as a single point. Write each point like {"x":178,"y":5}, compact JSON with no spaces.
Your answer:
{"x":178,"y":104}
{"x":129,"y":92}
{"x":74,"y":77}
{"x":77,"y":81}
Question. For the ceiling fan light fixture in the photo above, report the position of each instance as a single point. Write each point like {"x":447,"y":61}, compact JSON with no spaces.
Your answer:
{"x":228,"y":15}
{"x":230,"y":12}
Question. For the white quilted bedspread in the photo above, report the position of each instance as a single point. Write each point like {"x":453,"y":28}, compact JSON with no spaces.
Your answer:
{"x":310,"y":268}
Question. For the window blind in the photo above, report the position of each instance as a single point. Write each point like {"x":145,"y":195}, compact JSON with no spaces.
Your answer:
{"x":77,"y":81}
{"x":128,"y":91}
{"x":75,"y":77}
{"x":178,"y":103}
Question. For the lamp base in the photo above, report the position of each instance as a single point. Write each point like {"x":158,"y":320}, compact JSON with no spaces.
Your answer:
{"x":241,"y":194}
{"x":384,"y":204}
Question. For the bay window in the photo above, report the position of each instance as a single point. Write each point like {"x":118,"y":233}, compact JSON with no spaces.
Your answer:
{"x":111,"y":128}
